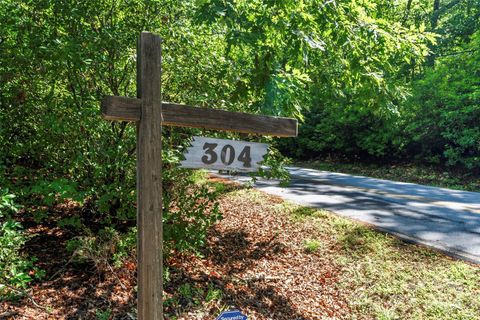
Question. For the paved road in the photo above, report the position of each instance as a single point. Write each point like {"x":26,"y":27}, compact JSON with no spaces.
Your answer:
{"x":446,"y":219}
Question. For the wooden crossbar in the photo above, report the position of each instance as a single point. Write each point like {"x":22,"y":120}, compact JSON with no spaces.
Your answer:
{"x":129,"y":109}
{"x":151,"y":114}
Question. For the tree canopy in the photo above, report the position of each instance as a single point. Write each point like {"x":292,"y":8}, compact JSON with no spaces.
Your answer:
{"x":374,"y":79}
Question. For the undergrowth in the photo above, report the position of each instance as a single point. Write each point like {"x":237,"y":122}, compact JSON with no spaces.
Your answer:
{"x":413,"y":173}
{"x":17,"y":270}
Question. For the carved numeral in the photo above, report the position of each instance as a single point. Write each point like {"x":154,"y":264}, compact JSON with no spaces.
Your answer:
{"x":209,"y":147}
{"x":245,"y":157}
{"x":227,"y":155}
{"x":231,"y":154}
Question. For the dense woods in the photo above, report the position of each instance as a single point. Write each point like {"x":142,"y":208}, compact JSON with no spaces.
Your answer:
{"x":430,"y":115}
{"x":380,"y":79}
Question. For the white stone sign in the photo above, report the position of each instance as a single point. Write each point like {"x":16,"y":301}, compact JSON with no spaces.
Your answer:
{"x":221,"y":154}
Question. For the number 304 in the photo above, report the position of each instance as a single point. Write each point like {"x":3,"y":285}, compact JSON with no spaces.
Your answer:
{"x":227,"y":155}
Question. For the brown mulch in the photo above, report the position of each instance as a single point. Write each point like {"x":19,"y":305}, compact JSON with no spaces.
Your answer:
{"x":69,"y":290}
{"x":255,"y":256}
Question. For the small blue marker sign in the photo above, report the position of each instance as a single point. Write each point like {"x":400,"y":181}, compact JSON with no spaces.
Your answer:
{"x":232,"y":315}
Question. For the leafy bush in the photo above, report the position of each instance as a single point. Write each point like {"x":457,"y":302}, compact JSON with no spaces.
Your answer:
{"x":51,"y":192}
{"x":444,"y":113}
{"x":16,"y":270}
{"x":344,"y":130}
{"x":189,"y":206}
{"x":105,"y":246}
{"x":189,"y":210}
{"x":7,"y":205}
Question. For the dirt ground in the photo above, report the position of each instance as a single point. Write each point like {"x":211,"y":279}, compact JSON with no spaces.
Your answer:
{"x":255,"y":261}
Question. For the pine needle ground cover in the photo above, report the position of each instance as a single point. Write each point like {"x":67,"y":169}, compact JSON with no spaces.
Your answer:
{"x":270,"y":259}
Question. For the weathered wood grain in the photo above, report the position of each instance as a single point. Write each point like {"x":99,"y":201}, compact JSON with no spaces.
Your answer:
{"x":146,"y":110}
{"x":121,"y":108}
{"x":149,"y":179}
{"x":214,"y":119}
{"x":128,"y":109}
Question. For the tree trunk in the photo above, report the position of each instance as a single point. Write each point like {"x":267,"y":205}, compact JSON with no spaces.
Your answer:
{"x":435,"y":14}
{"x":433,"y":26}
{"x":407,"y":11}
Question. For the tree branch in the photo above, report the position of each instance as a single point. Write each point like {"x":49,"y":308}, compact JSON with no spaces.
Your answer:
{"x":26,"y":294}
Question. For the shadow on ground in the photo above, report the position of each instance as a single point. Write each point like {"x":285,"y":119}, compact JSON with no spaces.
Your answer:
{"x":232,"y":253}
{"x":70,"y":289}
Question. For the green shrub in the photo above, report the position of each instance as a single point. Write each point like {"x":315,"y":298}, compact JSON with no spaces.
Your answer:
{"x":189,"y":207}
{"x":51,"y":192}
{"x":345,"y":130}
{"x":98,"y":248}
{"x":103,"y":314}
{"x":16,"y":270}
{"x":7,"y":205}
{"x":444,"y":113}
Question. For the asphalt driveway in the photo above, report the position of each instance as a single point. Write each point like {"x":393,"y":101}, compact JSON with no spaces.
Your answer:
{"x":448,"y":220}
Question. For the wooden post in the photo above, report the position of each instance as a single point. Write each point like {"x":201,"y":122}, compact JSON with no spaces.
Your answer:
{"x":149,"y":179}
{"x":147,"y":111}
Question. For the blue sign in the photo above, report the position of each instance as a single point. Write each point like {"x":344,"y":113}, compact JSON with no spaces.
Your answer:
{"x":232,"y":315}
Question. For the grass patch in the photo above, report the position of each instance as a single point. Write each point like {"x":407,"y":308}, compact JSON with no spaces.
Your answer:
{"x":312,"y":245}
{"x":413,"y":173}
{"x":388,"y":278}
{"x":194,"y":298}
